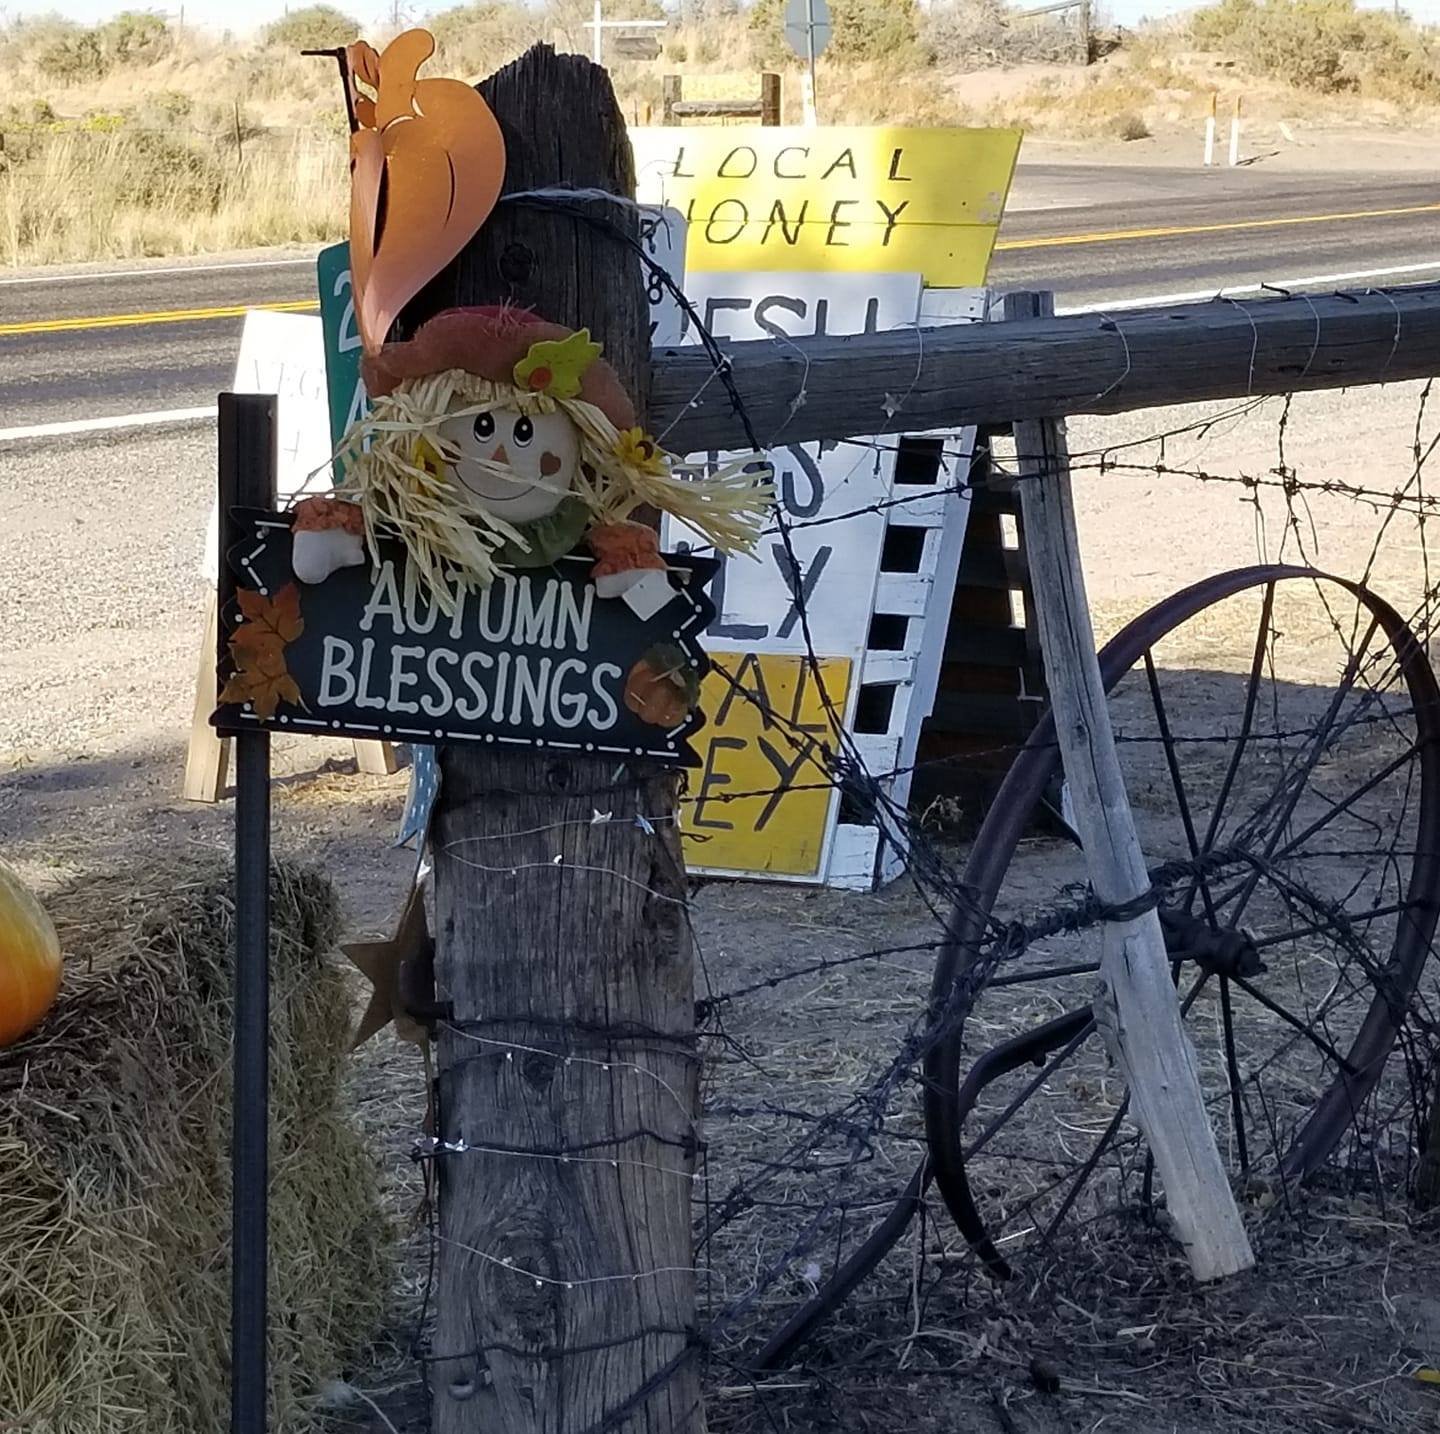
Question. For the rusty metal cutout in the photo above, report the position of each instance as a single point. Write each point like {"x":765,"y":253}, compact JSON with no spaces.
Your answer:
{"x":426,"y":163}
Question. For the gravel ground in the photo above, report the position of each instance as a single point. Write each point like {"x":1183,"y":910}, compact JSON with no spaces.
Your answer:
{"x":100,"y":609}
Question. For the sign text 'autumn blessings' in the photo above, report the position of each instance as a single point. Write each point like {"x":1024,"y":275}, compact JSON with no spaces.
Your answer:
{"x":535,"y":660}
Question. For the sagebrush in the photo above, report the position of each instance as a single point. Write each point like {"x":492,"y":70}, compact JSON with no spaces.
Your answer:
{"x":137,"y":136}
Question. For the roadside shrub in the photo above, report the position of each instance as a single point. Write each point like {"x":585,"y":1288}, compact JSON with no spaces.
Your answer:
{"x":1324,"y":45}
{"x":990,"y":32}
{"x":1131,"y":126}
{"x":167,"y":107}
{"x":862,"y":30}
{"x":134,"y":37}
{"x":316,"y":27}
{"x":74,"y":53}
{"x":69,"y":54}
{"x":475,"y":39}
{"x":154,"y":168}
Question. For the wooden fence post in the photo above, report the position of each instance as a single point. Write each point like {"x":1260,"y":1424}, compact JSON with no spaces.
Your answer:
{"x":565,"y":1295}
{"x":770,"y":98}
{"x":1136,"y":1008}
{"x":670,"y":92}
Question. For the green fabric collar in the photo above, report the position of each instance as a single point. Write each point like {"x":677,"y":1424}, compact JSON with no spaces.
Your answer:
{"x":550,"y":537}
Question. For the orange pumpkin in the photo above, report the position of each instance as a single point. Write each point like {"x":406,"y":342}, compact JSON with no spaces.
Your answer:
{"x":29,"y":959}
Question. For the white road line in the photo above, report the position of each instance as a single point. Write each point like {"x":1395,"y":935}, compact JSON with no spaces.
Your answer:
{"x":1200,"y":296}
{"x":101,"y":425}
{"x":1205,"y":295}
{"x":81,"y":277}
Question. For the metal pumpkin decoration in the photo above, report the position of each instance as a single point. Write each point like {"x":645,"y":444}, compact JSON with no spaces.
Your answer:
{"x":29,"y":959}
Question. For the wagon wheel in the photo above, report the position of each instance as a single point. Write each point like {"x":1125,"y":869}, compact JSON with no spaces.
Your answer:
{"x":1291,"y":816}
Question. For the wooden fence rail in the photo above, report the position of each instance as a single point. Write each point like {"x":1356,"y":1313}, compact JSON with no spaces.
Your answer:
{"x":907,"y":380}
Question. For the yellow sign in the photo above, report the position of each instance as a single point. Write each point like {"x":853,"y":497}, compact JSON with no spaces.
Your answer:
{"x":760,"y":804}
{"x":868,"y":200}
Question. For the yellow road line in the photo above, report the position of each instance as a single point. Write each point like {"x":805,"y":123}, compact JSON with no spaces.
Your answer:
{"x":1055,"y":241}
{"x":1110,"y":236}
{"x":159,"y":316}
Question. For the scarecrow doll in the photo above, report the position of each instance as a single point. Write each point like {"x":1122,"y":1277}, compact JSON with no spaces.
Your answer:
{"x":499,"y":441}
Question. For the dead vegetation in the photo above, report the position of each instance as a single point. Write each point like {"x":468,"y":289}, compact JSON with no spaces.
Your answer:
{"x":114,"y":1165}
{"x":137,"y":137}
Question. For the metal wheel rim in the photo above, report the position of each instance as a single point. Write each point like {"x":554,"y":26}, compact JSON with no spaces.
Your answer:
{"x":1008,"y":819}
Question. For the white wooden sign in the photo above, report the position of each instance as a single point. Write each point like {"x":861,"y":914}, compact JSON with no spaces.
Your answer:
{"x":858,"y":546}
{"x":828,"y":491}
{"x":284,"y":354}
{"x":663,"y":233}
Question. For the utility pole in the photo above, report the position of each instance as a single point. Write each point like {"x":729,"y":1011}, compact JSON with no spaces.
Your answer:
{"x":568,"y":1080}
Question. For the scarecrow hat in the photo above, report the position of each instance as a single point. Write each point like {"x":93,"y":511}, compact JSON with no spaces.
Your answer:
{"x":491,"y":343}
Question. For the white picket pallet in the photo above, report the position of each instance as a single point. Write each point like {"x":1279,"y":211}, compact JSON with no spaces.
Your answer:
{"x":869,"y":854}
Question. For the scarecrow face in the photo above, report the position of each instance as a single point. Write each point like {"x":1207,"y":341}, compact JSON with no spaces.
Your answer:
{"x":539,"y":451}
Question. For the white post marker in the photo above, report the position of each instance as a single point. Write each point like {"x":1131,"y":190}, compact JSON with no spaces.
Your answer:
{"x":1210,"y":131}
{"x":1235,"y":134}
{"x":599,"y":24}
{"x":807,"y":32}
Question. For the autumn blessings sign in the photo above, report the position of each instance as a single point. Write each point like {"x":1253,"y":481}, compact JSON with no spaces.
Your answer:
{"x":536,"y":659}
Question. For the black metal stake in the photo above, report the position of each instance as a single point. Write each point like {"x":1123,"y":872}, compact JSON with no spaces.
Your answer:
{"x":247,"y":479}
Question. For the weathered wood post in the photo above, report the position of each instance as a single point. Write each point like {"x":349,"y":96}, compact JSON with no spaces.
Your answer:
{"x":770,"y":111}
{"x":1136,"y":1009}
{"x":670,"y":96}
{"x":565,"y":1298}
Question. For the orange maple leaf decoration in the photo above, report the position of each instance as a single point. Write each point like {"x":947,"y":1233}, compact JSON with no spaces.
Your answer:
{"x":258,"y":649}
{"x":427,"y":160}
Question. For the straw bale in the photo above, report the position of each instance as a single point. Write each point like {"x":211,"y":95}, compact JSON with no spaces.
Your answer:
{"x":114,"y":1179}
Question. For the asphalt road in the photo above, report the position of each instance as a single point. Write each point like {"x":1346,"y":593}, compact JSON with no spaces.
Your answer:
{"x":1096,"y":235}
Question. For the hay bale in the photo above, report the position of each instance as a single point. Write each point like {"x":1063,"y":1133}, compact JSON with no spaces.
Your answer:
{"x":114,"y":1166}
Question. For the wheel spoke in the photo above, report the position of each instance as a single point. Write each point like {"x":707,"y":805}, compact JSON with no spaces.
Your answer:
{"x":1029,"y":1089}
{"x":1088,"y":1168}
{"x":1309,"y":1032}
{"x":1172,"y":762}
{"x":1319,"y":926}
{"x":1340,"y":807}
{"x":1301,"y":774}
{"x":1252,"y":691}
{"x":1232,"y":1070}
{"x":1047,"y":973}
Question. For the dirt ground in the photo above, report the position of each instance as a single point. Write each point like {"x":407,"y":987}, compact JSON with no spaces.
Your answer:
{"x":99,"y":633}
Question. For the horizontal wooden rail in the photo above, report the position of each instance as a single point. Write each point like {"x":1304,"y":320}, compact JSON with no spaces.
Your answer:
{"x":910,"y":380}
{"x":715,"y":109}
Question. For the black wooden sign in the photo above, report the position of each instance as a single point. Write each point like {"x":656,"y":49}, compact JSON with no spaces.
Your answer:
{"x":538,"y":659}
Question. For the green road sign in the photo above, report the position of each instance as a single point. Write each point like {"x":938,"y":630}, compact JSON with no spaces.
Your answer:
{"x":342,"y":340}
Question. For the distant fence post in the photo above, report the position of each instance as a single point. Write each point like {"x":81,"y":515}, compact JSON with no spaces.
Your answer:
{"x":675,"y":108}
{"x":669,"y":98}
{"x":1210,"y":129}
{"x":770,"y":98}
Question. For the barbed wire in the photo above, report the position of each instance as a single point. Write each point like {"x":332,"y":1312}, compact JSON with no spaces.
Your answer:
{"x":1306,"y":840}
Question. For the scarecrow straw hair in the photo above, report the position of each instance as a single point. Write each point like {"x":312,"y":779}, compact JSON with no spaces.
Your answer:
{"x":452,"y":536}
{"x":114,"y":1166}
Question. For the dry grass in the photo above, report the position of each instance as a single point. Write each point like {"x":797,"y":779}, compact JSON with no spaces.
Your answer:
{"x":114,"y":1151}
{"x":122,"y":194}
{"x":139,"y":158}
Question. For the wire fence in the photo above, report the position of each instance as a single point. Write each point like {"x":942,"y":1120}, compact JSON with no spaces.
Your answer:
{"x":915,"y":1168}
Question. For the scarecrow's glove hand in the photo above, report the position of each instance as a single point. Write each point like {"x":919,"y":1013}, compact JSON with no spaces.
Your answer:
{"x":328,"y":534}
{"x":625,"y":553}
